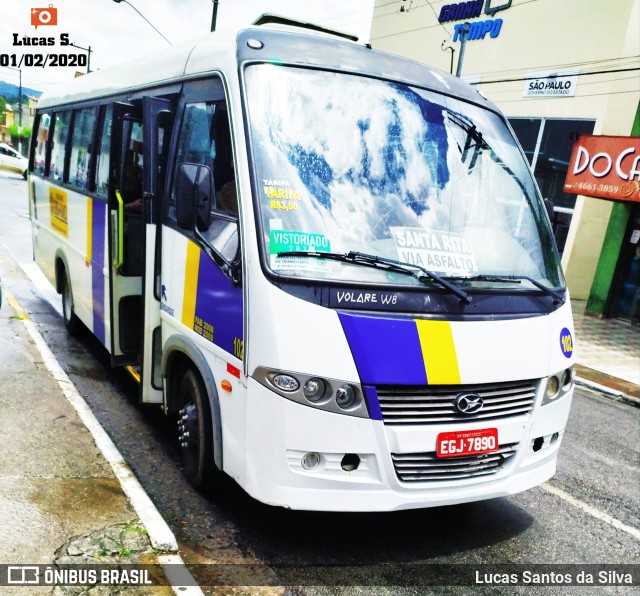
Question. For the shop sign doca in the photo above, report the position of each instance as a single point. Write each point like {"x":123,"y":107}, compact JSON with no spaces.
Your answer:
{"x":605,"y":167}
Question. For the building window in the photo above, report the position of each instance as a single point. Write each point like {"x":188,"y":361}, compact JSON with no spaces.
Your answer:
{"x":547,"y":143}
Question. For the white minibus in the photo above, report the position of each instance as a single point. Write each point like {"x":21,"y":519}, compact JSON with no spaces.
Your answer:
{"x":331,"y":264}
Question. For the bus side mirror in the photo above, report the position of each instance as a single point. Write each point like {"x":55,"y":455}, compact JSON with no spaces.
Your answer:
{"x":193,"y":196}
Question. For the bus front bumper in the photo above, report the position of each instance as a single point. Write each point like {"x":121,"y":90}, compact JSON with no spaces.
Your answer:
{"x":280,"y":434}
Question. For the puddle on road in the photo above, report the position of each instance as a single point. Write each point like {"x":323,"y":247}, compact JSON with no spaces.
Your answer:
{"x":88,"y":372}
{"x":81,"y":501}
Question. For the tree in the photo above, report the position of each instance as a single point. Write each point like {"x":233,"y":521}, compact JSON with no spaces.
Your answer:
{"x":25,"y":133}
{"x":3,"y":107}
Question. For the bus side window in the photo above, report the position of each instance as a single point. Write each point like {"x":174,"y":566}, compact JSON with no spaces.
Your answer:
{"x":42,"y":140}
{"x":204,"y":150}
{"x":81,"y":146}
{"x":101,"y":184}
{"x":60,"y":133}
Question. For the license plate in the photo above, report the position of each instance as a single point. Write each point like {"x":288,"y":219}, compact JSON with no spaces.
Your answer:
{"x":468,"y":442}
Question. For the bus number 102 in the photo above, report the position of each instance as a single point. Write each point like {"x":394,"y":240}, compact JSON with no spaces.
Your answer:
{"x":238,"y":348}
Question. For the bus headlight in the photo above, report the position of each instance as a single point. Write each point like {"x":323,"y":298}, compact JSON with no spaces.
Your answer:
{"x":330,"y":395}
{"x":567,"y":379}
{"x":558,"y":385}
{"x":314,"y":389}
{"x":553,"y":387}
{"x":346,"y":396}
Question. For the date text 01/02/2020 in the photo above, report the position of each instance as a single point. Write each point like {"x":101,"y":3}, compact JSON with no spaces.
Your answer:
{"x":42,"y":60}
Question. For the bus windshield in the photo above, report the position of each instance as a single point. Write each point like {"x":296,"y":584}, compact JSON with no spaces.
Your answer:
{"x":347,"y":163}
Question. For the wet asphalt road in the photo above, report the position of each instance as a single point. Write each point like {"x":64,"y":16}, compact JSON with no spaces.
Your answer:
{"x":598,"y":465}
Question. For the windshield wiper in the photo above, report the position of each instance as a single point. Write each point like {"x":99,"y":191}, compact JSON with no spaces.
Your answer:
{"x":558,"y":298}
{"x":475,"y":141}
{"x":367,"y":260}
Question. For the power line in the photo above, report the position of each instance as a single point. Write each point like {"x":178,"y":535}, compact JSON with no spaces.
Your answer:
{"x":582,"y":84}
{"x":502,"y":101}
{"x":567,"y":65}
{"x":582,"y":74}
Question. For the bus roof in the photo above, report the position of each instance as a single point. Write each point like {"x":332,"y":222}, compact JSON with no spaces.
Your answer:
{"x":281,"y":44}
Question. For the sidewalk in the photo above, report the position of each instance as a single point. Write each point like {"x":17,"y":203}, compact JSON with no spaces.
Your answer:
{"x":60,"y":500}
{"x":607,"y":353}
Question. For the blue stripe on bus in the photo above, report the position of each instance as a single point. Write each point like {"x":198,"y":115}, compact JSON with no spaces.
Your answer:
{"x":385,"y":351}
{"x":373,"y":403}
{"x":218,"y":307}
{"x":97,"y":267}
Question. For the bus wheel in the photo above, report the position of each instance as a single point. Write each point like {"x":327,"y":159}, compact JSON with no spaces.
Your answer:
{"x":71,"y":321}
{"x":195,"y":432}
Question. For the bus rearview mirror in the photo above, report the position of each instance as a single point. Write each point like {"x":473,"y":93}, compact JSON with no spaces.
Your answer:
{"x":193,"y":196}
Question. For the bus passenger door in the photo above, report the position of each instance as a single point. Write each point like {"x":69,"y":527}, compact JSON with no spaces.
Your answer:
{"x":125,"y":234}
{"x":158,"y":120}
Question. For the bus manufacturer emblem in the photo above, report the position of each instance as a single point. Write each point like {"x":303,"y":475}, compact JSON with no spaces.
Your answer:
{"x":468,"y":403}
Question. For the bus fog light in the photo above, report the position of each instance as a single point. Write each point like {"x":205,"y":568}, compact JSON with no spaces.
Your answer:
{"x":345,"y":397}
{"x":286,"y":382}
{"x":310,"y":460}
{"x":553,"y":387}
{"x":314,"y":389}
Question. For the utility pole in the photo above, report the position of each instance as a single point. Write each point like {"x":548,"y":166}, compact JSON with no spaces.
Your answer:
{"x":88,"y":50}
{"x":19,"y":107}
{"x":20,"y":103}
{"x":20,"y":113}
{"x":463,"y":43}
{"x":214,"y":16}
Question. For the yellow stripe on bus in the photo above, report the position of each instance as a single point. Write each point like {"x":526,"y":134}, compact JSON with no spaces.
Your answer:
{"x":87,"y":260}
{"x":439,"y":352}
{"x":190,"y":284}
{"x":133,"y":372}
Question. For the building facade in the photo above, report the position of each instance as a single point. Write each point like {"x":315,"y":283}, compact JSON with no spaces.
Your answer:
{"x":556,"y":70}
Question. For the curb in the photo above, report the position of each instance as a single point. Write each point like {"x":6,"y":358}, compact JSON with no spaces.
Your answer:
{"x":608,"y":392}
{"x":160,"y":534}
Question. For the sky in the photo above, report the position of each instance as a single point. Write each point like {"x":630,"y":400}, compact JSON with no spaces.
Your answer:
{"x":116,"y":33}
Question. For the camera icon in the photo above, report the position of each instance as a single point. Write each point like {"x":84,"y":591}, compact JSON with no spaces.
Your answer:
{"x":44,"y":16}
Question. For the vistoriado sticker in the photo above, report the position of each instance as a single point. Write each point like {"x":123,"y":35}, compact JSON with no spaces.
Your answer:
{"x":288,"y":241}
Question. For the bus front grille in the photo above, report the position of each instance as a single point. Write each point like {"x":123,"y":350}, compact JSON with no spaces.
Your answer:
{"x":428,"y":467}
{"x":434,"y":404}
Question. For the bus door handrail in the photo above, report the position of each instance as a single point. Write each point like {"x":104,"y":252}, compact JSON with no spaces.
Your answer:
{"x":119,"y":256}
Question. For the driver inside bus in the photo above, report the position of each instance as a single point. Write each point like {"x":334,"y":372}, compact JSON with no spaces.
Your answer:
{"x":132,"y":183}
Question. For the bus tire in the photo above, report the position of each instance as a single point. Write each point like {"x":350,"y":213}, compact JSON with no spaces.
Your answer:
{"x":71,"y":321}
{"x":195,"y":432}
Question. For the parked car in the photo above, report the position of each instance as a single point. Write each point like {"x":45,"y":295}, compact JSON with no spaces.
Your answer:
{"x":12,"y":161}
